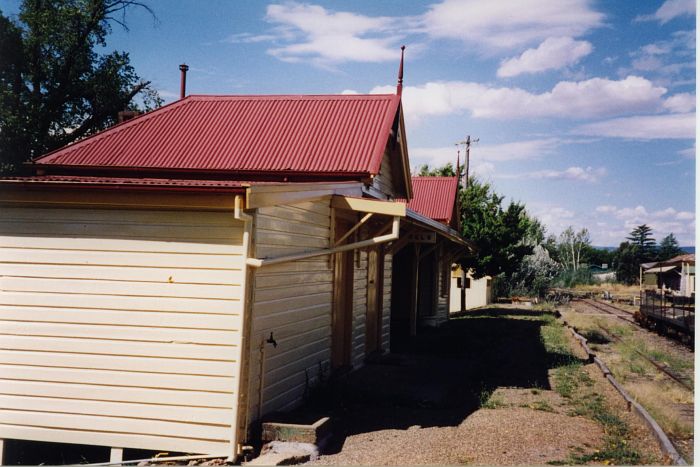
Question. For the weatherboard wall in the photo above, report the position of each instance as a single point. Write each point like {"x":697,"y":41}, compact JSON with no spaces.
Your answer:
{"x":359,"y":317}
{"x":120,"y":327}
{"x":292,"y":302}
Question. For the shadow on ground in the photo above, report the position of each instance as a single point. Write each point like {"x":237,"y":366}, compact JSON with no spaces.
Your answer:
{"x":442,"y":377}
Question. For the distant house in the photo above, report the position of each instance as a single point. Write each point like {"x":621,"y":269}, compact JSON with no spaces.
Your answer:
{"x":676,"y":275}
{"x":601,"y":273}
{"x":169,"y":281}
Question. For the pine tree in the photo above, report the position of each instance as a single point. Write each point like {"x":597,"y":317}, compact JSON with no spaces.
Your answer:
{"x":668,"y":248}
{"x":641,"y":237}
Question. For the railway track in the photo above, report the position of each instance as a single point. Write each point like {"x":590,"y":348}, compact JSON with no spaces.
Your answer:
{"x":611,"y":310}
{"x":682,"y":381}
{"x":629,"y":317}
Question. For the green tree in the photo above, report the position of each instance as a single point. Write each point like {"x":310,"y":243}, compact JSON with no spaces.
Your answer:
{"x":641,"y":237}
{"x":54,"y":87}
{"x":502,"y":236}
{"x":571,"y":245}
{"x":446,"y":170}
{"x":536,"y":273}
{"x":668,"y":248}
{"x":598,"y":256}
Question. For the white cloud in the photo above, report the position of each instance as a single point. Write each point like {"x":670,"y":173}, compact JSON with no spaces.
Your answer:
{"x":596,"y":97}
{"x":688,"y":153}
{"x":508,"y":24}
{"x":326,"y":37}
{"x":555,"y":218}
{"x":669,"y":10}
{"x":620,"y":222}
{"x":668,"y":212}
{"x":673,"y":126}
{"x":605,"y":208}
{"x":486,"y":153}
{"x":483,"y":169}
{"x":348,"y":92}
{"x":685,"y":216}
{"x":165,"y":94}
{"x":587,"y":174}
{"x":665,"y":58}
{"x":517,"y":150}
{"x":680,"y":103}
{"x":636,"y":213}
{"x":552,"y":54}
{"x":248,"y":38}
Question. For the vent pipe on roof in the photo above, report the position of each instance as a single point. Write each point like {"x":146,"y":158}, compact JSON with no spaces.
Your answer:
{"x":183,"y":79}
{"x":124,"y":115}
{"x":399,"y":86}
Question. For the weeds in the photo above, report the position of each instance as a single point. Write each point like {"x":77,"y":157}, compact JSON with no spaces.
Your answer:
{"x":573,"y":383}
{"x":489,"y":401}
{"x":542,"y":405}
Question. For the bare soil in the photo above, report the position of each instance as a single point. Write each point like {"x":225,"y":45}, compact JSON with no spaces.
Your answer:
{"x":478,"y":391}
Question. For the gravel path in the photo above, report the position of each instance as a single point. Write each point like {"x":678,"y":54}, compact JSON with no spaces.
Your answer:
{"x":481,"y":396}
{"x":508,"y":436}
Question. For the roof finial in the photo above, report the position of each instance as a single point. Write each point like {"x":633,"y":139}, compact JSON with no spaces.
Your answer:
{"x":399,"y":86}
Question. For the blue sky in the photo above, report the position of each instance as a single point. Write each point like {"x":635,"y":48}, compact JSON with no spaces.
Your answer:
{"x":585,"y":110}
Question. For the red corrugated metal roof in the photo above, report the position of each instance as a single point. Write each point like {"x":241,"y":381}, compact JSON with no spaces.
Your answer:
{"x":340,"y":134}
{"x":117,"y":182}
{"x":434,"y":197}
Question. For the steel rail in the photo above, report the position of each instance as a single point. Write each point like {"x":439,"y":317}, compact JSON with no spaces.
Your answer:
{"x":656,"y":364}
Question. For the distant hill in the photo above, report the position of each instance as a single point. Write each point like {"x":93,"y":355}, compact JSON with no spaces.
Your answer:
{"x":606,"y":248}
{"x":687,"y":249}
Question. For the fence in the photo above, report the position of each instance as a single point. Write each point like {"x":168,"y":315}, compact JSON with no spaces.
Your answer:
{"x":676,"y":311}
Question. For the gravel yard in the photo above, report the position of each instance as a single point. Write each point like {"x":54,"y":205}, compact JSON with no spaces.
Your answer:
{"x":501,"y":386}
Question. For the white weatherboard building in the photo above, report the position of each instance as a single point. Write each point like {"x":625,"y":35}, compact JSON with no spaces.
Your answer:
{"x":166,"y":283}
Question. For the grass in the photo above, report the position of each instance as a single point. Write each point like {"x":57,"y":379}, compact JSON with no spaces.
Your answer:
{"x":488,"y":401}
{"x":545,"y":306}
{"x":541,"y":405}
{"x":573,"y":383}
{"x":613,"y":288}
{"x":679,"y":365}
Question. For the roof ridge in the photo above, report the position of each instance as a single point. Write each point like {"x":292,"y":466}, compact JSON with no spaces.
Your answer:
{"x":289,"y":96}
{"x":435,"y":177}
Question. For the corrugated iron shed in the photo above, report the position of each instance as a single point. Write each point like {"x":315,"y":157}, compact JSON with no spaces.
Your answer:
{"x":434,"y":197}
{"x":339,"y":134}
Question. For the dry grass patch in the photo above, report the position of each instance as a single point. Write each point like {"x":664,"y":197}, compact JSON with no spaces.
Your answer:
{"x":613,"y":288}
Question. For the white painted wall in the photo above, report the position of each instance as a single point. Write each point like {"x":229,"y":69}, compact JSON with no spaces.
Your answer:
{"x":120,"y":327}
{"x":293,"y":301}
{"x":478,"y":294}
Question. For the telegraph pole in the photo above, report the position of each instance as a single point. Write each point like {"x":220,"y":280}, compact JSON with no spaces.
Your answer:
{"x":467,"y":146}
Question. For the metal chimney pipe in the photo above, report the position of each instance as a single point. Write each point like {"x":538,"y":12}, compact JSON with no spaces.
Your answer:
{"x":183,"y":79}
